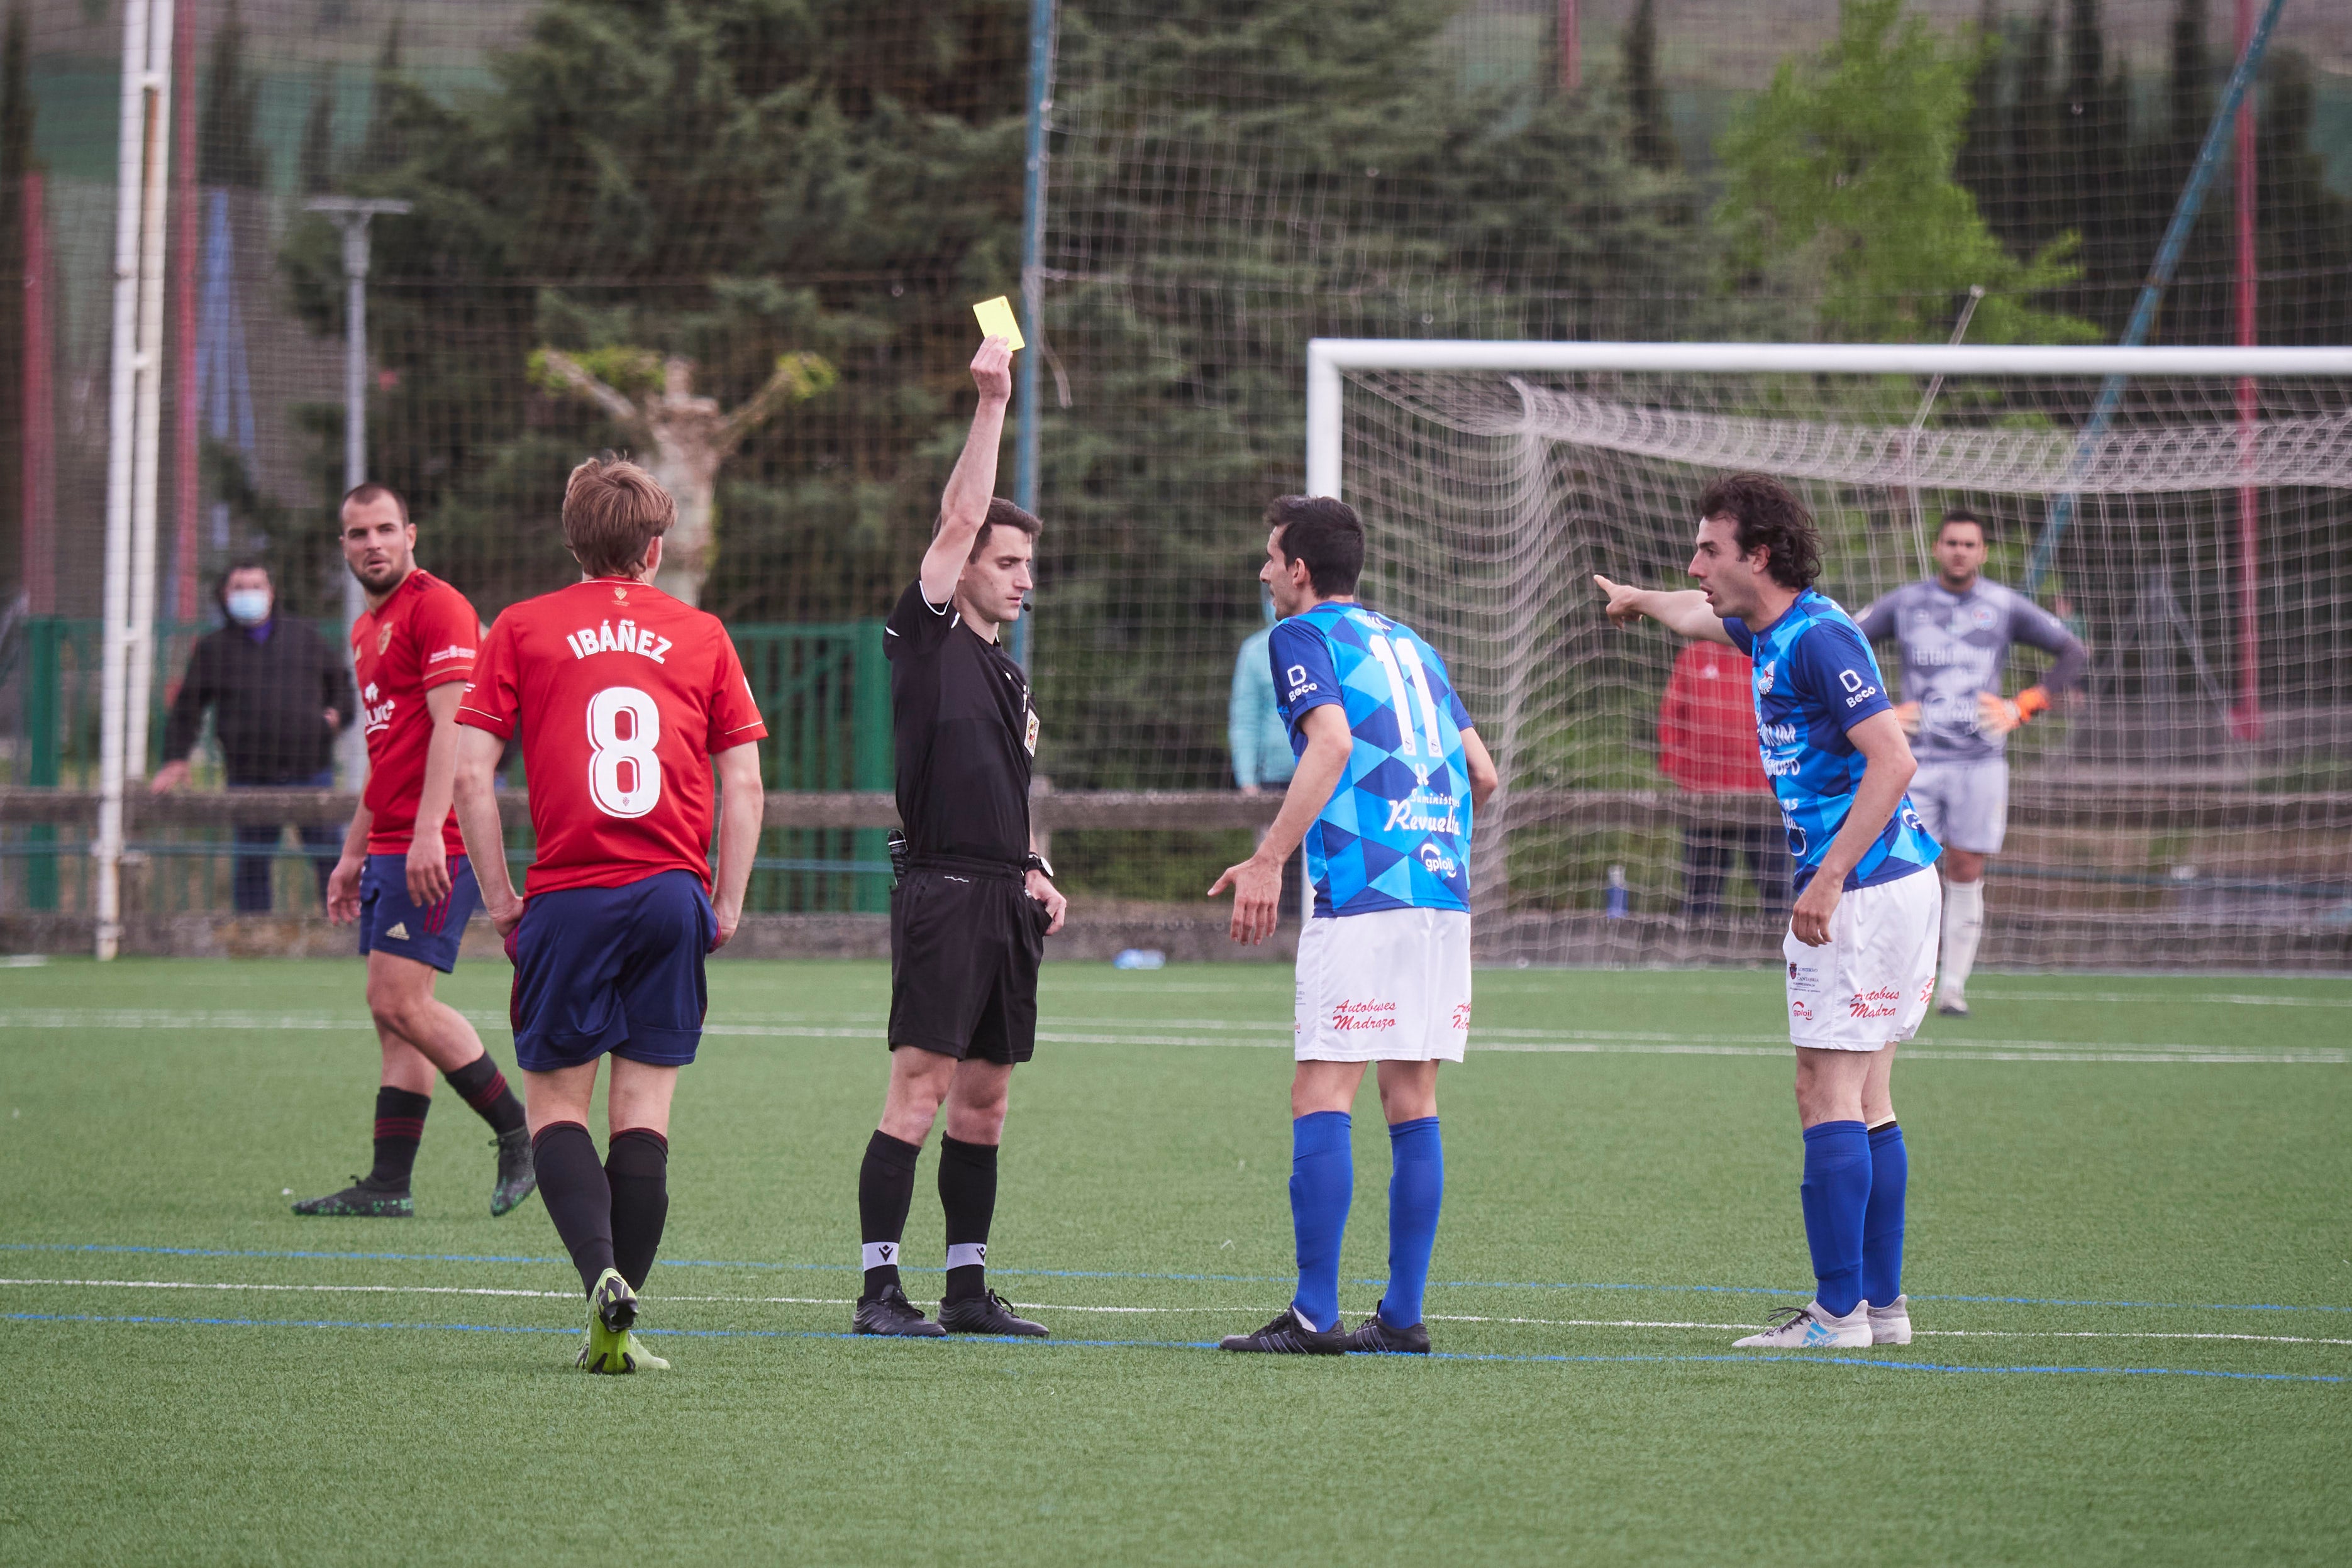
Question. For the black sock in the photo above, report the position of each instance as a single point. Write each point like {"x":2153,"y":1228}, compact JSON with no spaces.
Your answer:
{"x":483,"y":1087}
{"x":399,"y":1128}
{"x":578,"y":1198}
{"x":636,"y":1166}
{"x":886,"y":1190}
{"x":968,"y":1194}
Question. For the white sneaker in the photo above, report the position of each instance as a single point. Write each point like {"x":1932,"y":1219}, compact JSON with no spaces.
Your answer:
{"x":1809,"y":1328}
{"x":1952,"y":1000}
{"x":1891,"y":1324}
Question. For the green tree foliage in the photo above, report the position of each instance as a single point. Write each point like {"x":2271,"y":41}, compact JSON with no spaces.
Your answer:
{"x":2056,"y":145}
{"x":728,"y":181}
{"x":1838,"y":179}
{"x":1310,"y":174}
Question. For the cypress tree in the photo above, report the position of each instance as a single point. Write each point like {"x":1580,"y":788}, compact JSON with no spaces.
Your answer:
{"x":1983,"y":165}
{"x":317,"y":154}
{"x":2036,"y":181}
{"x":1645,"y":102}
{"x":228,"y":145}
{"x":16,"y":109}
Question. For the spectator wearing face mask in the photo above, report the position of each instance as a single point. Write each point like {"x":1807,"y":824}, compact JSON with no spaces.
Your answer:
{"x":278,"y":694}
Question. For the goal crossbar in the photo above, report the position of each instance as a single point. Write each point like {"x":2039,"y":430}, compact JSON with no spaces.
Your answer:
{"x":1327,"y":358}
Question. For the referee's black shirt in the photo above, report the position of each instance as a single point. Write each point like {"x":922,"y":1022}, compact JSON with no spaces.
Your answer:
{"x":966,"y":733}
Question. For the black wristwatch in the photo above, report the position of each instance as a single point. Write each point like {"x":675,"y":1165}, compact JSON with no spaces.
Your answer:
{"x":1041,"y":865}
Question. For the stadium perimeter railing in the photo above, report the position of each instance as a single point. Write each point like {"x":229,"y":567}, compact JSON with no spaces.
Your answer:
{"x":2053,"y":915}
{"x":823,"y":688}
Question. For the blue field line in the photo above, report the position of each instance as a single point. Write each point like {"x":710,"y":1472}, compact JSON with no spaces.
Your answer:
{"x":1026,"y":1343}
{"x":1131,"y":1274}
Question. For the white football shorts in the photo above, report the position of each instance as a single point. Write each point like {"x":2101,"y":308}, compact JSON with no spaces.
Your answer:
{"x":1867,"y":988}
{"x":1964,"y":805}
{"x":1393,"y":984}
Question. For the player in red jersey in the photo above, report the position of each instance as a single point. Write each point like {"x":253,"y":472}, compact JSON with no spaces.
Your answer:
{"x":627,"y":700}
{"x":412,"y":891}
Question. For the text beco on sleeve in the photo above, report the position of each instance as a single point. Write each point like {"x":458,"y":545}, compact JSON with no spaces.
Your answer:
{"x":1833,"y":662}
{"x":1304,"y":676}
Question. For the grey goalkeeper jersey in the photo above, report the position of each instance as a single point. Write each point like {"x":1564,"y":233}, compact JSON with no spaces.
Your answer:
{"x":1954,"y":646}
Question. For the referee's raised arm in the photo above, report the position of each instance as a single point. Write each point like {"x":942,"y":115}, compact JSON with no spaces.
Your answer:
{"x":964,"y":507}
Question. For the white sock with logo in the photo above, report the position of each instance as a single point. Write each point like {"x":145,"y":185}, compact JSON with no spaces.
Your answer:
{"x":1963,"y":927}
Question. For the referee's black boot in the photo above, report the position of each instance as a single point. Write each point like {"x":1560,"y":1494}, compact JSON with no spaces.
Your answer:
{"x":1375,"y":1336}
{"x":892,"y":1313}
{"x":986,"y":1313}
{"x":1288,"y":1335}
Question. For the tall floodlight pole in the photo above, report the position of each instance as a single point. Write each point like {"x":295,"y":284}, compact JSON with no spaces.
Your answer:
{"x":350,"y":214}
{"x":133,"y":410}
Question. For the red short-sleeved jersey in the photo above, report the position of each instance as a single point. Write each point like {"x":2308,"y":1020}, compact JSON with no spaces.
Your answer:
{"x":622,"y":693}
{"x":424,"y":635}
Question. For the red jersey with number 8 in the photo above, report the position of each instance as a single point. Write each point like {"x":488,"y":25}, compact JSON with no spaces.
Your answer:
{"x":622,"y":693}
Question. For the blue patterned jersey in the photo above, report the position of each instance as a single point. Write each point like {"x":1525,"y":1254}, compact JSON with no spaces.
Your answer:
{"x":1815,"y":679}
{"x":1396,"y":833}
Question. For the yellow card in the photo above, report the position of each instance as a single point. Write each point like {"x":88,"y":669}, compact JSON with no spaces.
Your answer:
{"x":996,"y":320}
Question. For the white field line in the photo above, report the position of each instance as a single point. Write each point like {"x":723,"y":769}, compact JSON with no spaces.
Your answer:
{"x":1575,"y":1042}
{"x":1225,"y":1310}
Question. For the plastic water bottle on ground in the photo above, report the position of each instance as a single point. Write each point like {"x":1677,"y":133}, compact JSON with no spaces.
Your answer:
{"x":1620,"y":901}
{"x":1139,"y":958}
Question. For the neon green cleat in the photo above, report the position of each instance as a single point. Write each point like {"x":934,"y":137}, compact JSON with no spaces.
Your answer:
{"x":612,"y":1308}
{"x":645,"y":1360}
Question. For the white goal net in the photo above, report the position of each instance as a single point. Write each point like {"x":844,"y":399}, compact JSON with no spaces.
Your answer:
{"x":2189,"y":804}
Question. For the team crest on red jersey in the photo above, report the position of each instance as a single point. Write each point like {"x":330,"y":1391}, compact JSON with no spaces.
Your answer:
{"x":383,"y":640}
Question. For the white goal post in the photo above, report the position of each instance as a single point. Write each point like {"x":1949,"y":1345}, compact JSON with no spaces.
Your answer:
{"x":1327,"y":358}
{"x":2188,"y":512}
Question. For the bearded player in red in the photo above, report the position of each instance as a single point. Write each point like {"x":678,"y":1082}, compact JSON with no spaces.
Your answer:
{"x":627,"y":700}
{"x":403,"y":876}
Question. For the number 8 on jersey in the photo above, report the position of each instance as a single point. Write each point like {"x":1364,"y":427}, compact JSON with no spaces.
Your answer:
{"x":624,"y":775}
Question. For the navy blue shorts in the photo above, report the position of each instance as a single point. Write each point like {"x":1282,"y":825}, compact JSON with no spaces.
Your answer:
{"x":392,"y":922}
{"x":612,"y":969}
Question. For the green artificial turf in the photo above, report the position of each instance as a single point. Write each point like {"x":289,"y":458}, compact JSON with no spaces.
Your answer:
{"x":2118,"y":1159}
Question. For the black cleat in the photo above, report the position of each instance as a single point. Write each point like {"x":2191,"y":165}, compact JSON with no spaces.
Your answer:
{"x":892,"y":1313}
{"x":1374,"y":1337}
{"x":990,"y":1313}
{"x":364,"y":1199}
{"x":518,"y":1176}
{"x":1288,"y":1335}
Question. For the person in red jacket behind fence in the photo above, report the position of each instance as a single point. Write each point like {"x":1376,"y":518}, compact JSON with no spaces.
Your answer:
{"x":1707,"y":744}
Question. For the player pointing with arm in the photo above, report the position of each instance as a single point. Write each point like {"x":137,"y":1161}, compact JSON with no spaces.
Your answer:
{"x":1861,"y":948}
{"x":970,"y":918}
{"x":1389,"y":769}
{"x":403,"y":875}
{"x":628,"y":702}
{"x":1955,"y":631}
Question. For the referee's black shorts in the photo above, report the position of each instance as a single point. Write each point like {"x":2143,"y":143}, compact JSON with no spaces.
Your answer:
{"x":964,"y":949}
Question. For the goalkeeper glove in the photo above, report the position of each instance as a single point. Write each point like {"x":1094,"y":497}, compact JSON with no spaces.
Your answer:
{"x":1997,"y":715}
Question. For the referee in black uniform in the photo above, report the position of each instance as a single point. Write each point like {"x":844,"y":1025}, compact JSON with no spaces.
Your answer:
{"x":971,"y":912}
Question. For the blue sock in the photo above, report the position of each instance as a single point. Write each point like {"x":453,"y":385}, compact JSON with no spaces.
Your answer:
{"x":1836,"y":1193}
{"x":1322,"y":1180}
{"x":1416,"y":1191}
{"x":1882,"y":1222}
